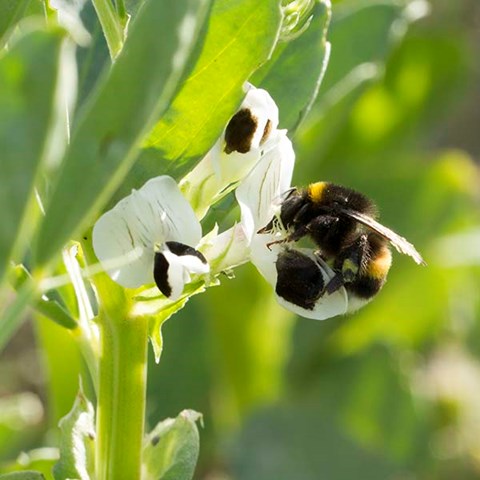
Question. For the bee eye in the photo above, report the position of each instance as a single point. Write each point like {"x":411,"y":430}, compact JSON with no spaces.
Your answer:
{"x":240,"y":131}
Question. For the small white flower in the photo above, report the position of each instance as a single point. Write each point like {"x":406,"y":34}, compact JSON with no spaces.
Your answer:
{"x":260,"y":196}
{"x":249,"y":133}
{"x":150,"y":236}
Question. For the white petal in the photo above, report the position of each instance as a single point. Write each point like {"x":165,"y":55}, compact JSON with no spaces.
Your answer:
{"x":124,"y":238}
{"x":123,"y":255}
{"x":168,"y":213}
{"x":208,"y":181}
{"x":227,"y":250}
{"x":326,"y":306}
{"x":271,"y":177}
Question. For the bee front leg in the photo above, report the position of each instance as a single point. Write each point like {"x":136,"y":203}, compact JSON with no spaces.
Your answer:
{"x":335,"y":283}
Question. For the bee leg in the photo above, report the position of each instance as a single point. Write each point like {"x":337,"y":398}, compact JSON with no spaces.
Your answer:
{"x":335,"y":283}
{"x":352,"y":258}
{"x":267,"y":228}
{"x":276,"y":242}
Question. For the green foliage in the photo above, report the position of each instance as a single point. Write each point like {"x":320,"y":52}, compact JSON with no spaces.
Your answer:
{"x":105,"y":143}
{"x":239,"y":37}
{"x":171,"y":448}
{"x":297,"y":67}
{"x":77,"y":443}
{"x":319,"y":400}
{"x":28,"y":81}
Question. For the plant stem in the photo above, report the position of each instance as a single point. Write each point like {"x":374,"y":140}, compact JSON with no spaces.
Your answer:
{"x":121,"y":398}
{"x":122,"y":379}
{"x":111,"y":26}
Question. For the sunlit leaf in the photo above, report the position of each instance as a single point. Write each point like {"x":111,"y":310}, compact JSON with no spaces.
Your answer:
{"x":240,"y":37}
{"x":11,"y":11}
{"x":136,"y":91}
{"x":29,"y":74}
{"x":171,"y":449}
{"x":286,"y":442}
{"x":294,"y":74}
{"x":77,"y":445}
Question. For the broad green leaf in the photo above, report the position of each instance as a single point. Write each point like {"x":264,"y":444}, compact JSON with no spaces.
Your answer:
{"x":92,"y":59}
{"x":29,"y":116}
{"x":11,"y":11}
{"x":134,"y":92}
{"x":77,"y":444}
{"x":294,"y":74}
{"x":171,"y":449}
{"x":299,"y":442}
{"x":240,"y":37}
{"x":27,"y":475}
{"x":365,"y":32}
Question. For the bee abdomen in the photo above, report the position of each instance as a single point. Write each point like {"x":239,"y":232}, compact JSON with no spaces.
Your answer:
{"x":299,"y":279}
{"x":365,"y":287}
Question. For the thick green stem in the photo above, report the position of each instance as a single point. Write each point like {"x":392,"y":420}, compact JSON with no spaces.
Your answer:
{"x":122,"y":380}
{"x":121,"y":398}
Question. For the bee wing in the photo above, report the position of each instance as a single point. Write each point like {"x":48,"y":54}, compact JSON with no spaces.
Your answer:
{"x":401,"y":244}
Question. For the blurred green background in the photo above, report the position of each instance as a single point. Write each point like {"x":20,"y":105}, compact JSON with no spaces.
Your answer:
{"x":392,"y":392}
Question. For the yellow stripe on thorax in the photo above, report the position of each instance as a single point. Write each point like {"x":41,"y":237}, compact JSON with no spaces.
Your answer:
{"x":379,"y":267}
{"x":315,"y":191}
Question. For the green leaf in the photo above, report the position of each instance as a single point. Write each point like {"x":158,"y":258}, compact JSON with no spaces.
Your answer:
{"x":11,"y":11}
{"x":299,"y":442}
{"x":27,"y":475}
{"x":365,"y":32}
{"x":171,"y":449}
{"x":294,"y":74}
{"x":29,"y":77}
{"x":240,"y":37}
{"x":137,"y":89}
{"x":48,"y":307}
{"x":77,"y":445}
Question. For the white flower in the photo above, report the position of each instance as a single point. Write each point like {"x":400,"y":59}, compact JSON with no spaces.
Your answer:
{"x":150,"y":236}
{"x":283,"y":266}
{"x":247,"y":136}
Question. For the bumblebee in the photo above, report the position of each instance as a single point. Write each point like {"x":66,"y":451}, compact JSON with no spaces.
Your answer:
{"x":342,"y":224}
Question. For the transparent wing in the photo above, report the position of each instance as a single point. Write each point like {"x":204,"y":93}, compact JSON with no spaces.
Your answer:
{"x":401,"y":244}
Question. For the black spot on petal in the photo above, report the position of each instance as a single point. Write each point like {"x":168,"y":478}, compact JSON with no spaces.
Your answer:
{"x":154,"y":441}
{"x":181,"y":250}
{"x":266,"y":131}
{"x":160,"y":274}
{"x":239,"y":132}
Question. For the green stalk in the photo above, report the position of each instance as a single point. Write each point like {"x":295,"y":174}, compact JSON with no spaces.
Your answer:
{"x":122,"y":380}
{"x":111,"y":26}
{"x":121,"y":398}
